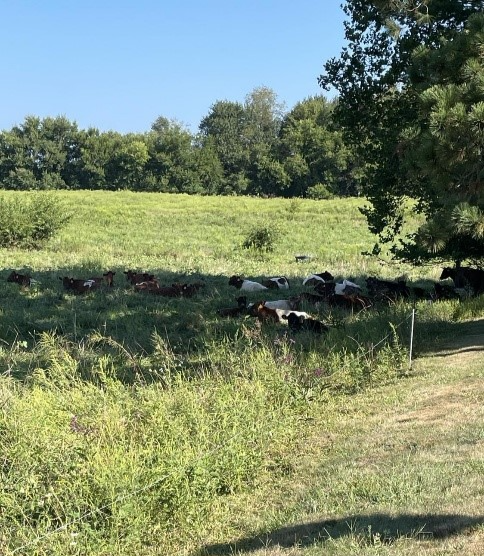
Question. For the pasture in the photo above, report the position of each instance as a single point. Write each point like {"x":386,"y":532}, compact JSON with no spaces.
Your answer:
{"x":126,"y":417}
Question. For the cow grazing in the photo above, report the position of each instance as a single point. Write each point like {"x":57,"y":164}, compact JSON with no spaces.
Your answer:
{"x":279,"y":282}
{"x":297,"y":323}
{"x":464,"y":277}
{"x":136,"y":277}
{"x":245,"y":285}
{"x":23,"y":280}
{"x":314,"y":279}
{"x":78,"y":285}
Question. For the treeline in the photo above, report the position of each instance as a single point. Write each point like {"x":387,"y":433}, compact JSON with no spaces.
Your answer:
{"x":251,"y":148}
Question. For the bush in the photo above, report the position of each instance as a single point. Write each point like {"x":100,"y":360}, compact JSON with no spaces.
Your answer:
{"x":262,"y":238}
{"x":29,"y":221}
{"x":319,"y":192}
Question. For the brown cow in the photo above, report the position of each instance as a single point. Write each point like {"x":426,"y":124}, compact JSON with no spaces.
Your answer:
{"x":78,"y":285}
{"x":263,"y":313}
{"x":137,"y":277}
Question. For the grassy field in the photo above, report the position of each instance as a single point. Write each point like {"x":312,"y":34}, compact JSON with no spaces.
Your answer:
{"x":134,"y":424}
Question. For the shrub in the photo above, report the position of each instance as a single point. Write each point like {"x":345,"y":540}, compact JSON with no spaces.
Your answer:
{"x":262,"y":238}
{"x":29,"y":221}
{"x":319,"y":192}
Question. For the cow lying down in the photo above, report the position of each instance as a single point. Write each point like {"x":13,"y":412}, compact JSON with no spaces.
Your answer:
{"x":245,"y":285}
{"x":297,"y":323}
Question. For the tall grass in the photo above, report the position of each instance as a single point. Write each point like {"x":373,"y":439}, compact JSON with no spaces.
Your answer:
{"x":124,"y":417}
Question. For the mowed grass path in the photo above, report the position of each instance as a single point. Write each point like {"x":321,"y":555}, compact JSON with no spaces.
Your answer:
{"x":397,"y":470}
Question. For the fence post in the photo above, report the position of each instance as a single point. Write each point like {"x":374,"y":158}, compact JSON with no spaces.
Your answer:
{"x":411,"y":339}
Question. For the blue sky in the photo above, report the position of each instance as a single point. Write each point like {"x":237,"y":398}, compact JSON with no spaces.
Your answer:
{"x":118,"y":65}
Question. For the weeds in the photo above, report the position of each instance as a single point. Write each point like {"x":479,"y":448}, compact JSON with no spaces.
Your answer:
{"x":128,"y":421}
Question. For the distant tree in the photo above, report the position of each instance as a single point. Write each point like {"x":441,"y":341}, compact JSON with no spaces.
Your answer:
{"x":172,"y":157}
{"x":313,"y":150}
{"x":223,"y":130}
{"x":127,"y":165}
{"x":39,"y":154}
{"x":102,"y":165}
{"x":264,"y":115}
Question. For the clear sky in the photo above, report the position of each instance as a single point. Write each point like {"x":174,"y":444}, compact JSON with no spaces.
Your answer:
{"x":119,"y":64}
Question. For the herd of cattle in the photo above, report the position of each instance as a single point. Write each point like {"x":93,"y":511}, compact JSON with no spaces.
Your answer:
{"x":325,"y":289}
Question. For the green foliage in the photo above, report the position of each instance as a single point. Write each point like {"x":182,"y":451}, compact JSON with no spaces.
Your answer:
{"x":29,"y":222}
{"x":262,"y":238}
{"x":410,"y":103}
{"x":128,"y":422}
{"x":319,"y":191}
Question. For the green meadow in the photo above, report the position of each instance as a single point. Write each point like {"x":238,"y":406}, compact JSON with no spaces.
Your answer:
{"x":139,"y":424}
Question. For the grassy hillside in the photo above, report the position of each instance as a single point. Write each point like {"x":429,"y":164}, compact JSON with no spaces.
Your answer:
{"x":132,"y":423}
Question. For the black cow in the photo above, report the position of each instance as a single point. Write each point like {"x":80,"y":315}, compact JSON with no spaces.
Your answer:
{"x":297,"y":323}
{"x":387,"y":289}
{"x":464,"y":276}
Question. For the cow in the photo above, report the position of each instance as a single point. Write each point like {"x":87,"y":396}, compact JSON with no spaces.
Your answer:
{"x":312,"y":298}
{"x":241,"y":308}
{"x":166,"y":291}
{"x":444,"y":291}
{"x":325,"y":288}
{"x":23,"y":280}
{"x":279,"y":282}
{"x":263,"y":313}
{"x":245,"y":285}
{"x":136,"y":277}
{"x":298,"y":323}
{"x":465,"y":277}
{"x":283,"y":304}
{"x":109,"y":277}
{"x":351,"y":302}
{"x":387,"y":289}
{"x":147,"y":285}
{"x":313,"y":279}
{"x":78,"y":285}
{"x":347,"y":288}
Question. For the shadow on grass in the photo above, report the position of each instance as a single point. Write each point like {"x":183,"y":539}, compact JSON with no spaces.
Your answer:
{"x":452,"y":338}
{"x":367,"y":529}
{"x":129,"y":320}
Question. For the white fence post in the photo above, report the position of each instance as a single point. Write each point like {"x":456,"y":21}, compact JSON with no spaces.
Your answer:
{"x":411,"y":339}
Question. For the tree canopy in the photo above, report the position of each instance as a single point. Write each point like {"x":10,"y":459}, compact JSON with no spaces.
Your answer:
{"x":411,"y":93}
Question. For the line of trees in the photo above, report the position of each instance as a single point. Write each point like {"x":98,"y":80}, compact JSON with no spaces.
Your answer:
{"x":252,"y":148}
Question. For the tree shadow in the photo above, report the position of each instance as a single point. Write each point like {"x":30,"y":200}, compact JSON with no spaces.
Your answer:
{"x":452,"y":338}
{"x":369,"y":529}
{"x":129,"y":320}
